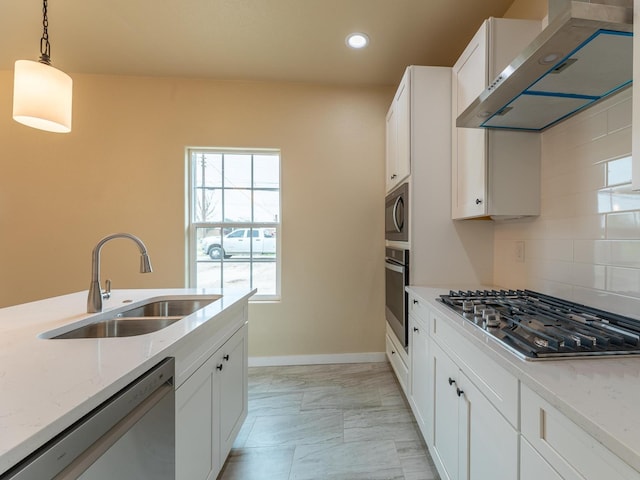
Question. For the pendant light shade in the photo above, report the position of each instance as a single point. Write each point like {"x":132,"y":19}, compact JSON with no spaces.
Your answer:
{"x":41,"y":93}
{"x":42,"y":96}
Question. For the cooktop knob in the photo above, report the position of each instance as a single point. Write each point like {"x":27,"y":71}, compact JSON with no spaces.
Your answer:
{"x":492,"y":319}
{"x":478,"y":309}
{"x":467,"y":306}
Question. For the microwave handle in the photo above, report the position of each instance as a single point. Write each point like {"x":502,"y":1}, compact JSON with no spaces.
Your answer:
{"x":399,"y":202}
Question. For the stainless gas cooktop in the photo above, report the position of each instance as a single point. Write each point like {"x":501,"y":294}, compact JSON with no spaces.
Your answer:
{"x":540,"y":327}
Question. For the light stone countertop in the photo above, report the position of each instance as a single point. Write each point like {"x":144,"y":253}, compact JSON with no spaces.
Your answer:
{"x":601,"y":395}
{"x":48,"y":384}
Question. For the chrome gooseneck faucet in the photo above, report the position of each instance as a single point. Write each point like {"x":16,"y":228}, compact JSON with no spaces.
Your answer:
{"x":94,"y":302}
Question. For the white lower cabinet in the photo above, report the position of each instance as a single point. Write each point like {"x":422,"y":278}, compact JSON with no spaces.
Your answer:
{"x":232,"y":387}
{"x":447,"y":412}
{"x":195,"y":442}
{"x":565,"y":447}
{"x":210,"y":408}
{"x":533,"y":466}
{"x":398,"y":358}
{"x":491,"y":442}
{"x":480,"y":421}
{"x":472,"y":440}
{"x":420,"y":397}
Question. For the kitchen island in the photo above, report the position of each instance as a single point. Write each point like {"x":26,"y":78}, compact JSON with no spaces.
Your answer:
{"x":560,"y":419}
{"x":48,"y":384}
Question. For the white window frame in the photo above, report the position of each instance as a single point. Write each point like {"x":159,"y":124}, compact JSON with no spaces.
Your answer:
{"x":192,"y":226}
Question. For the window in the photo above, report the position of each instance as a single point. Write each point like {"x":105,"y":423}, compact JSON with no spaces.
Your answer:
{"x":234,"y":220}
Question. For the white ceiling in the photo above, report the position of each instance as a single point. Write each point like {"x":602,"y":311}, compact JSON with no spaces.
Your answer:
{"x":283,"y":40}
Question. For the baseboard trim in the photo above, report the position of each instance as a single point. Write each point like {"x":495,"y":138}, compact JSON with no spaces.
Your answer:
{"x":317,"y":359}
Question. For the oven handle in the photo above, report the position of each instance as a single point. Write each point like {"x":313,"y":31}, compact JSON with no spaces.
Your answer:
{"x":394,"y":267}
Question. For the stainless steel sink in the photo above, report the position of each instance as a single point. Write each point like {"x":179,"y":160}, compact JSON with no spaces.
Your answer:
{"x":167,"y":308}
{"x":147,"y":318}
{"x":120,"y":327}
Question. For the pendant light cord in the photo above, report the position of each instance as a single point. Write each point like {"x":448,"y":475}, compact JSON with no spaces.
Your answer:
{"x":45,"y":46}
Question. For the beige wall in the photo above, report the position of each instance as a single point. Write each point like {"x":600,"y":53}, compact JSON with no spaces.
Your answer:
{"x":123,"y":169}
{"x":527,"y":9}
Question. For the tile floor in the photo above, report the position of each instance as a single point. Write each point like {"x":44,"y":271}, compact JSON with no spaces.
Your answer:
{"x":328,"y":422}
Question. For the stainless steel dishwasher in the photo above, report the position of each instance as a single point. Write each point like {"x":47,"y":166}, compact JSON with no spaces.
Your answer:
{"x":130,"y":436}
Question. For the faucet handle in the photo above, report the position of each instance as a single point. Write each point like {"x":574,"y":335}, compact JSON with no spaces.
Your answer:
{"x":107,"y":291}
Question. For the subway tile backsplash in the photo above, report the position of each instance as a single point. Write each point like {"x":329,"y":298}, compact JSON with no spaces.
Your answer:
{"x":585,"y":245}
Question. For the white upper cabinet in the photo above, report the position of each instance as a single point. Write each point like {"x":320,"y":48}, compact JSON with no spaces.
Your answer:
{"x":398,"y":155}
{"x":494,"y":173}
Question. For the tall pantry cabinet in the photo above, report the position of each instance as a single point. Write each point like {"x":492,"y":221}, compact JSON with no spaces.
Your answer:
{"x":494,"y":173}
{"x":419,"y":147}
{"x":441,"y":251}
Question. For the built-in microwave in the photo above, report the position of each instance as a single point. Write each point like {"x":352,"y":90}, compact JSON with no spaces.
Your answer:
{"x":396,"y":224}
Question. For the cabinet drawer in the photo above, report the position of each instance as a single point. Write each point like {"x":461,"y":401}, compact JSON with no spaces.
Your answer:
{"x":498,"y":385}
{"x":571,"y":451}
{"x":419,"y":309}
{"x":398,"y":364}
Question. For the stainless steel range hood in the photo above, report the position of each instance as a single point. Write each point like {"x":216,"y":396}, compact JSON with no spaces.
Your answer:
{"x":584,"y":55}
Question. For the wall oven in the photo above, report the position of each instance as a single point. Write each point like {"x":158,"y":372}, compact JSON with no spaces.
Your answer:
{"x":396,"y":224}
{"x":397,"y":299}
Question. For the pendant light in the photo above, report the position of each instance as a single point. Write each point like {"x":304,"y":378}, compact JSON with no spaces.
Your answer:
{"x":42,"y":93}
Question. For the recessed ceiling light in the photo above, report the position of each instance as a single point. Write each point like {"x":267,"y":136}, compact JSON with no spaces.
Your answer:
{"x":357,"y":40}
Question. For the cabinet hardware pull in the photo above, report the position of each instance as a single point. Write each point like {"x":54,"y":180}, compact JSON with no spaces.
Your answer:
{"x":393,"y":352}
{"x":478,"y":201}
{"x":451,"y":381}
{"x":219,"y":367}
{"x":415,"y":301}
{"x":416,"y":329}
{"x":459,"y":392}
{"x":393,"y":176}
{"x":226,"y":358}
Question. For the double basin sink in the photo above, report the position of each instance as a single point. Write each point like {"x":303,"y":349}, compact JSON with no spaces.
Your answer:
{"x":145,"y":318}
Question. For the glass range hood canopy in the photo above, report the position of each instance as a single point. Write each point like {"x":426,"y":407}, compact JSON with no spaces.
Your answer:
{"x":583,"y":56}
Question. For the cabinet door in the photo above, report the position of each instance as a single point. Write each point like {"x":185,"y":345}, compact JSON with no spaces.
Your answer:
{"x":194,"y":426}
{"x":471,"y":70}
{"x":420,"y":377}
{"x":446,"y":425}
{"x":469,"y":173}
{"x":469,"y":144}
{"x":490,"y":449}
{"x":232,"y":386}
{"x":398,"y":153}
{"x":533,"y":466}
{"x":403,"y":118}
{"x":392,"y":148}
